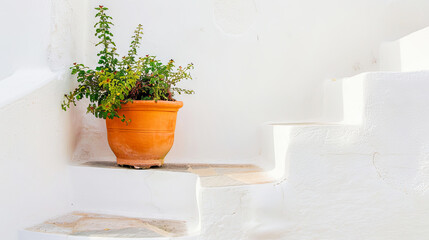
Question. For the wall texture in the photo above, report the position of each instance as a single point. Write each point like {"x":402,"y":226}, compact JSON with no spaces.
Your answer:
{"x":37,"y":141}
{"x":255,"y":61}
{"x":25,"y":27}
{"x":37,"y":138}
{"x":366,"y":180}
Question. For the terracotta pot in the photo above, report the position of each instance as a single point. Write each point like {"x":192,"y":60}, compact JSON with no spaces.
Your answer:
{"x":147,"y":139}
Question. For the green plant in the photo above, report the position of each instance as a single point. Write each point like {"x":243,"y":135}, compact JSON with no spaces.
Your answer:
{"x":115,"y":82}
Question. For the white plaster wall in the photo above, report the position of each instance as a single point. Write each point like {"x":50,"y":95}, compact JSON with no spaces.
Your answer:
{"x":37,"y":138}
{"x":41,"y":33}
{"x":25,"y":27}
{"x":255,"y":60}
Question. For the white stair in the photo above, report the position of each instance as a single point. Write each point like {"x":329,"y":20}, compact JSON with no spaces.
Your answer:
{"x":409,"y":53}
{"x":364,"y":177}
{"x":345,"y":173}
{"x":134,"y":193}
{"x":367,"y":175}
{"x":207,"y":199}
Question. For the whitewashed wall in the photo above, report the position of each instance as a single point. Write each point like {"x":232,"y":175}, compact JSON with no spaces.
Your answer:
{"x":25,"y":27}
{"x":37,"y":138}
{"x":255,"y":60}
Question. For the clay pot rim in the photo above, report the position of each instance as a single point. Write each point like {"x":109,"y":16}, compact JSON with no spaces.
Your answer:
{"x":152,"y":104}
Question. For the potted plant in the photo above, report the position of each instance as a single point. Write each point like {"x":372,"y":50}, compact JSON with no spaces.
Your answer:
{"x":135,"y":96}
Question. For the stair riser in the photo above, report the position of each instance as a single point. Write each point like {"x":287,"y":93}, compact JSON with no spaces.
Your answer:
{"x":135,"y":193}
{"x":406,"y":54}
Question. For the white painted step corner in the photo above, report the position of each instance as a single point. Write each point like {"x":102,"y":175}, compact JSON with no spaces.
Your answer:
{"x":409,"y":53}
{"x":374,"y":96}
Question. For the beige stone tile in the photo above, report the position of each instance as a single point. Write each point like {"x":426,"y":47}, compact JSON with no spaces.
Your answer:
{"x":212,"y":175}
{"x":96,"y":224}
{"x":100,"y":225}
{"x":203,"y":172}
{"x":219,"y":181}
{"x":252,"y":177}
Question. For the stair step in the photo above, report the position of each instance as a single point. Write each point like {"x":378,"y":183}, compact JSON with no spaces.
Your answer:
{"x":170,"y":192}
{"x":210,"y":175}
{"x":197,"y":198}
{"x":406,"y":54}
{"x":81,"y":225}
{"x":104,"y":188}
{"x":373,"y":96}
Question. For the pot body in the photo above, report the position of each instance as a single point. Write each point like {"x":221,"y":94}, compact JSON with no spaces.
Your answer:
{"x":147,"y":139}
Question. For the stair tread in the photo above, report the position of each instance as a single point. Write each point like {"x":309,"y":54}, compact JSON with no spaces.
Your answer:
{"x":211,"y":175}
{"x":111,"y":226}
{"x":310,"y":124}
